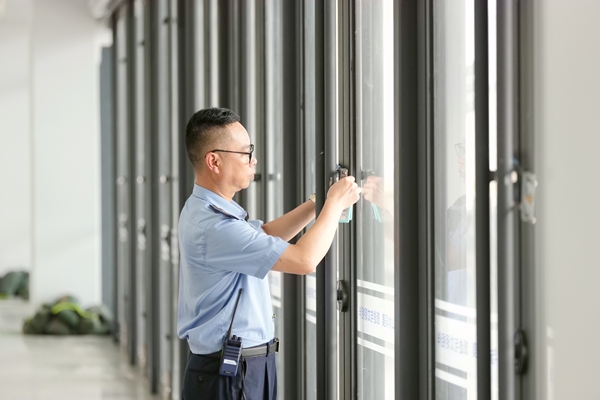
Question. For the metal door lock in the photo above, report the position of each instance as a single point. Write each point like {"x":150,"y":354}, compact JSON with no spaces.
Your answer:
{"x":521,"y":353}
{"x":342,"y":296}
{"x":528,"y":186}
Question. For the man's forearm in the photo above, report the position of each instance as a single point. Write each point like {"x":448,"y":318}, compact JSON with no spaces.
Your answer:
{"x":302,"y":258}
{"x":290,"y":224}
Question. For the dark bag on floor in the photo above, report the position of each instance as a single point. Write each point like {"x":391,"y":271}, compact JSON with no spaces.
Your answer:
{"x":66,"y":317}
{"x":15,"y":283}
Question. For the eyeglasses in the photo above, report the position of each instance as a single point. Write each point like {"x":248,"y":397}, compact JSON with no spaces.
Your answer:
{"x":460,"y":149}
{"x":236,"y":152}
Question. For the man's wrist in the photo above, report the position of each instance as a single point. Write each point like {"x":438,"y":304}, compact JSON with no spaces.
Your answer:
{"x":313,"y":197}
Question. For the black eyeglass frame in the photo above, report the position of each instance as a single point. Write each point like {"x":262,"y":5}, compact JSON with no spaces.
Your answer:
{"x":249,"y":154}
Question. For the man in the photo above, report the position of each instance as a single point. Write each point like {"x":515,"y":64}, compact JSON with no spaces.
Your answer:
{"x":222,"y":252}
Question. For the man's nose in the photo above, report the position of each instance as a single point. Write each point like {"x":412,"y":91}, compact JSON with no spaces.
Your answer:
{"x":254,"y":161}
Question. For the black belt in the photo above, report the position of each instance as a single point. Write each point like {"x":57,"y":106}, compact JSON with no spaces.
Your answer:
{"x":262,"y":350}
{"x":256,"y":351}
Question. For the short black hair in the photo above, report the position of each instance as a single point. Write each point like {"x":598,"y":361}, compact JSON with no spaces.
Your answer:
{"x":200,"y":132}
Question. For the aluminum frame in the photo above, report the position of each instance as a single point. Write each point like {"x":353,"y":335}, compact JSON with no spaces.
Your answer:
{"x":407,"y":280}
{"x":507,"y":232}
{"x":482,"y":202}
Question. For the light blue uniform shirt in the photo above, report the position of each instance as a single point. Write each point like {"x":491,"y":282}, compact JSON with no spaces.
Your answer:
{"x":221,"y":253}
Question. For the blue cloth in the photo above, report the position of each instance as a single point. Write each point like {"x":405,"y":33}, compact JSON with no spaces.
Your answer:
{"x":220,"y":253}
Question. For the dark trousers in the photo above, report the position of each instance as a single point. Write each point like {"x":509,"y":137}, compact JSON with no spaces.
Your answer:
{"x":256,"y":379}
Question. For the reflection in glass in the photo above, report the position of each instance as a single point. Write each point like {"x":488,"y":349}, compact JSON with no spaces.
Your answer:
{"x":375,"y":173}
{"x":310,"y":187}
{"x":454,"y":188}
{"x":454,"y":191}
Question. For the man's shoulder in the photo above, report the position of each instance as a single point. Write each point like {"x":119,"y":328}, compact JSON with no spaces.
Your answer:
{"x":196,"y":213}
{"x":206,"y":216}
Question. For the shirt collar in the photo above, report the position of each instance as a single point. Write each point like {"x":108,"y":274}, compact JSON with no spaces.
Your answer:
{"x":229,"y":208}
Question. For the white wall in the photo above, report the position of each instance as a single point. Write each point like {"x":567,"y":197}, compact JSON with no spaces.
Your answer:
{"x":66,"y":150}
{"x":15,"y":138}
{"x":568,"y":230}
{"x":50,"y":150}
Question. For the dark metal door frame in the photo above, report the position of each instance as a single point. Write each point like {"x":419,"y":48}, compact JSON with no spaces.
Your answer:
{"x":125,"y":191}
{"x":426,"y":211}
{"x":292,"y":285}
{"x":527,"y":26}
{"x":143,"y":220}
{"x":482,"y":202}
{"x":161,"y":380}
{"x":325,"y":146}
{"x":347,"y":233}
{"x":107,"y":157}
{"x":507,"y":226}
{"x":411,"y":328}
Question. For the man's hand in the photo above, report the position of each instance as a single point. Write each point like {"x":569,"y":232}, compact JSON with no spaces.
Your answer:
{"x":302,"y":258}
{"x":344,"y":193}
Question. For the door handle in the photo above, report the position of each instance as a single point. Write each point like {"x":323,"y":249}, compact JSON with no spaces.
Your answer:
{"x":342,"y":296}
{"x":521,"y":352}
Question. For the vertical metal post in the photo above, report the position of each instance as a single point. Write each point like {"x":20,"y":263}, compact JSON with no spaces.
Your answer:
{"x":161,"y":192}
{"x":180,"y":186}
{"x":327,"y":157}
{"x":107,"y":140}
{"x":482,"y":202}
{"x":142,"y":184}
{"x":349,"y":151}
{"x":212,"y":54}
{"x":426,"y":199}
{"x":291,"y":294}
{"x":153,"y":323}
{"x":124,"y":190}
{"x":325,"y":374}
{"x":131,"y":182}
{"x":247,"y":106}
{"x":528,"y":14}
{"x":225,"y":54}
{"x":260,"y":141}
{"x":189,"y":75}
{"x":508,"y":284}
{"x":406,"y":241}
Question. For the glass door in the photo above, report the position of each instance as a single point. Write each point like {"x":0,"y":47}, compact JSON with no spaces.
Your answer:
{"x":454,"y":188}
{"x":464,"y":249}
{"x":374,"y":36}
{"x":310,"y":186}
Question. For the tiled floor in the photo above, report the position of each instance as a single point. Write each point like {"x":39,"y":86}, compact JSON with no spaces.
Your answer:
{"x":36,"y":367}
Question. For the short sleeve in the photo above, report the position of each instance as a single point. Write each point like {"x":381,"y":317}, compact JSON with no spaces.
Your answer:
{"x":240,"y":246}
{"x":256,"y":223}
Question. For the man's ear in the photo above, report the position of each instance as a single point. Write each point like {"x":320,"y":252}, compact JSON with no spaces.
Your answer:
{"x":213,"y":162}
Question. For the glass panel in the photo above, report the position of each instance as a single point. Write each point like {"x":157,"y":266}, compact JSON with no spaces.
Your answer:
{"x":375,"y":221}
{"x":310,"y":187}
{"x":272,"y":160}
{"x":454,"y":193}
{"x":493,"y":123}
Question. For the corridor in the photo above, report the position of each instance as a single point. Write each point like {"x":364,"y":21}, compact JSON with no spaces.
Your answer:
{"x":41,"y":367}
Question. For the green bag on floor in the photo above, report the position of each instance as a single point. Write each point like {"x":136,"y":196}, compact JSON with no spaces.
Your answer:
{"x":57,"y":327}
{"x":23,"y":291}
{"x":14,"y":282}
{"x":40,"y":320}
{"x":66,"y":317}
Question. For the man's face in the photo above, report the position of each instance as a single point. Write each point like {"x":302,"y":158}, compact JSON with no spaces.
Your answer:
{"x":238,"y":167}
